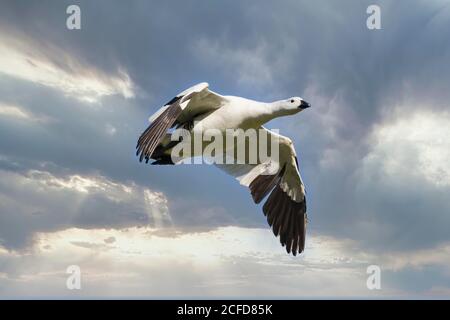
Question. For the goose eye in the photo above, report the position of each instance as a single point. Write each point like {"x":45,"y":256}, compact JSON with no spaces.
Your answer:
{"x":292,"y":100}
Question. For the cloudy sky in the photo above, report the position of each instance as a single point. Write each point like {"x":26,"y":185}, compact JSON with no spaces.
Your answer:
{"x":374,"y":149}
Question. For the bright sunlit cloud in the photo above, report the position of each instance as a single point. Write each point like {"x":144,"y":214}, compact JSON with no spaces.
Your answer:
{"x":76,"y":80}
{"x":16,"y":112}
{"x":414,"y":145}
{"x":228,"y":260}
{"x":221,"y":262}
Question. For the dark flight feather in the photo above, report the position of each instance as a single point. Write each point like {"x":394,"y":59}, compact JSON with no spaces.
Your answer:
{"x":287,"y":219}
{"x":156,"y":131}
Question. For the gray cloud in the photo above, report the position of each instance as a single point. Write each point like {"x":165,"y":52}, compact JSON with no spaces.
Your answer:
{"x":54,"y":203}
{"x":109,"y":240}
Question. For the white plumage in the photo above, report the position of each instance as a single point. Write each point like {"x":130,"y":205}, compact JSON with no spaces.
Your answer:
{"x":200,"y":109}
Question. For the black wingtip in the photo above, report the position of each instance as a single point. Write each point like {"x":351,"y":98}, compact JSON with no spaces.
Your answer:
{"x":287,"y":219}
{"x":152,"y":136}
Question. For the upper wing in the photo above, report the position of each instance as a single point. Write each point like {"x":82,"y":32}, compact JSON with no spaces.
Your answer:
{"x":182,"y":108}
{"x":285,"y":208}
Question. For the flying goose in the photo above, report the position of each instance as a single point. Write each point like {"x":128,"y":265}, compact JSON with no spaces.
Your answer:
{"x":199,"y":107}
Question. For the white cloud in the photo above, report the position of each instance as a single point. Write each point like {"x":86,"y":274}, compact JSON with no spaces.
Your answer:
{"x":413,"y":145}
{"x":228,"y":261}
{"x":23,"y":59}
{"x":19,"y":113}
{"x":222,"y":262}
{"x":13,"y":111}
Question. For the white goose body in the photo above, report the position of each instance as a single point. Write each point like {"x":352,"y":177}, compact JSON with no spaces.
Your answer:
{"x":198,"y":109}
{"x":235,"y":113}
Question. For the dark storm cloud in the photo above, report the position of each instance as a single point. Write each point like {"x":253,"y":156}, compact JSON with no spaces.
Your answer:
{"x":263,"y":50}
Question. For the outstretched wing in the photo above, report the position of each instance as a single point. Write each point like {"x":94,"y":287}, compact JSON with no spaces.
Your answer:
{"x":285,"y":207}
{"x":182,"y":108}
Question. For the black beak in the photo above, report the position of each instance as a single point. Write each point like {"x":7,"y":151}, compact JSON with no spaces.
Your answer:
{"x":304,"y":105}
